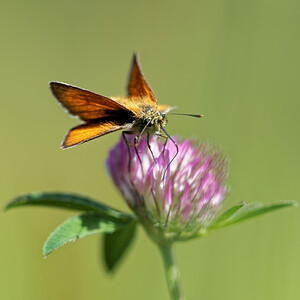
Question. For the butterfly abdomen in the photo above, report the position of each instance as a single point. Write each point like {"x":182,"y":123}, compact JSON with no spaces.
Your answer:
{"x":118,"y":116}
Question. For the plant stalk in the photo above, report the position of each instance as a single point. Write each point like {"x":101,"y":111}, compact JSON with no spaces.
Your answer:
{"x":172,"y":273}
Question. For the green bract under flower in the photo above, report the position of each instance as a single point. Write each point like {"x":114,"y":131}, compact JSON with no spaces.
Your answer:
{"x":176,"y":200}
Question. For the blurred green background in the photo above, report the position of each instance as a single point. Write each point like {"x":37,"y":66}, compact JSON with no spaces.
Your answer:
{"x":236,"y":62}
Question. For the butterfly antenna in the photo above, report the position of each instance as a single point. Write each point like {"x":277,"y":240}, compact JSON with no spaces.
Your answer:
{"x":177,"y":150}
{"x":183,"y":114}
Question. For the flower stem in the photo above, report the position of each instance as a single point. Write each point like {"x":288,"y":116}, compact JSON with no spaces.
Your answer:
{"x":172,"y":273}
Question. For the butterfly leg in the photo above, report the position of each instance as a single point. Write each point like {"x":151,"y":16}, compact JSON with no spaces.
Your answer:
{"x":165,"y":143}
{"x":124,"y":133}
{"x":149,"y":146}
{"x":137,"y":140}
{"x":136,"y":143}
{"x":177,"y":150}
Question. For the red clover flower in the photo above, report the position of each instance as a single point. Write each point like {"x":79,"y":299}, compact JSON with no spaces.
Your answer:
{"x":175,"y":196}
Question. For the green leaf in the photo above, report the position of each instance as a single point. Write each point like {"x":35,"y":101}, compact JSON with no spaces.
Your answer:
{"x":62,"y":200}
{"x":246,"y":211}
{"x":226,"y":215}
{"x":81,"y":226}
{"x":116,"y":244}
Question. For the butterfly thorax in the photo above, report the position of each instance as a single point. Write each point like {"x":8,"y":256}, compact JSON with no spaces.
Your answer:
{"x":147,"y":114}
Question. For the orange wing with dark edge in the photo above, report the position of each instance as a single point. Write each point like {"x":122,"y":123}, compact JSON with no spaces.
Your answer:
{"x":137,"y":86}
{"x":85,"y":132}
{"x":85,"y":104}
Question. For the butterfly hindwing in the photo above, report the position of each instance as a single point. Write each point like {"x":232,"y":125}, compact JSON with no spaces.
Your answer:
{"x":89,"y":131}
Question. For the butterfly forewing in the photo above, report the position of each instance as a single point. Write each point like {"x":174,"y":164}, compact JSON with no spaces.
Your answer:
{"x":137,"y":86}
{"x":85,"y":104}
{"x":89,"y":131}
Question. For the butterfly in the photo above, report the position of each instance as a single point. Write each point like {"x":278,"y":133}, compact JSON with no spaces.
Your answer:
{"x":139,"y":112}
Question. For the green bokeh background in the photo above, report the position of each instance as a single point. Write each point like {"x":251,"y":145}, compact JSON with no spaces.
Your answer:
{"x":236,"y":62}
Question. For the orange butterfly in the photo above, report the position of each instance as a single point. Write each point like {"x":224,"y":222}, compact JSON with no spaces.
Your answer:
{"x":102,"y":115}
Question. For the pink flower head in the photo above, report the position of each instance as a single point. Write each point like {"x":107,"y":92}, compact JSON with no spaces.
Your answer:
{"x":178,"y":195}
